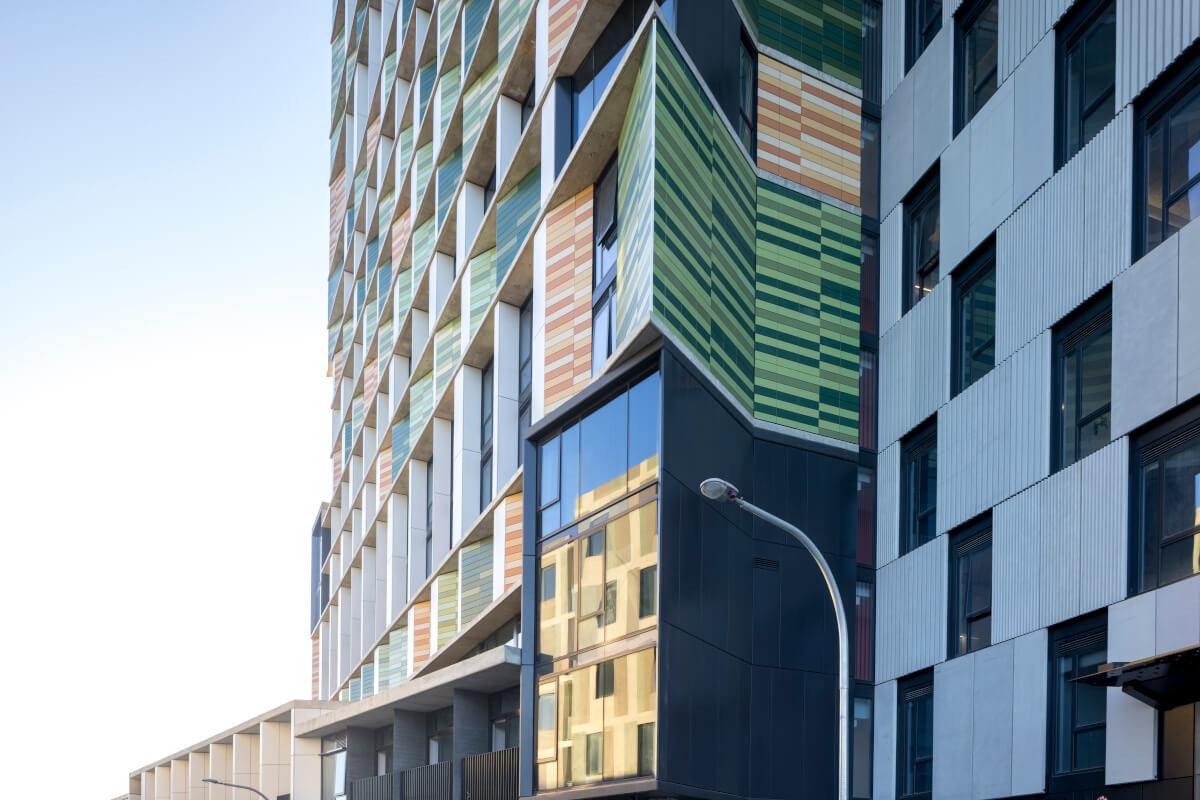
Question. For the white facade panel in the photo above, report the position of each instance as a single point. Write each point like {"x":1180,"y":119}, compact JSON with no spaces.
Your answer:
{"x":884,"y":778}
{"x":1033,"y":137}
{"x":887,"y":505}
{"x":1131,"y":752}
{"x":1104,"y":526}
{"x":1016,"y":577}
{"x":896,"y":171}
{"x":991,"y":164}
{"x":1107,"y":198}
{"x":1148,"y":42}
{"x":1022,"y":25}
{"x":955,"y":211}
{"x":931,"y":113}
{"x":992,"y":724}
{"x":893,"y":47}
{"x":891,"y":267}
{"x":911,"y":609}
{"x":1189,"y":298}
{"x":914,"y":360}
{"x":1029,"y":713}
{"x":953,"y":711}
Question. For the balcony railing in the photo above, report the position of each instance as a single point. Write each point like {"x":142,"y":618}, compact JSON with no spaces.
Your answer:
{"x":381,"y":787}
{"x":431,"y":782}
{"x":491,"y":776}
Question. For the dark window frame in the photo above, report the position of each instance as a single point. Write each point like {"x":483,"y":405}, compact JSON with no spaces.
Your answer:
{"x":487,"y":419}
{"x":1092,"y":320}
{"x":971,"y":539}
{"x":1081,"y":635}
{"x":966,"y":279}
{"x":965,"y":21}
{"x":604,"y":287}
{"x":911,"y":690}
{"x":913,"y":448}
{"x":925,"y":198}
{"x":747,"y":122}
{"x":1179,"y":430}
{"x":1071,"y":35}
{"x":918,"y":35}
{"x":1177,"y":86}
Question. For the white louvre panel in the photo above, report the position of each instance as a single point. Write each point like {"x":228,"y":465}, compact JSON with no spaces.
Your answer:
{"x":1104,"y":526}
{"x":893,"y":47}
{"x":911,"y":609}
{"x":914,"y":359}
{"x":1150,"y":35}
{"x":1022,"y":26}
{"x":891,"y":269}
{"x":994,"y":438}
{"x":887,"y":511}
{"x":1107,"y":198}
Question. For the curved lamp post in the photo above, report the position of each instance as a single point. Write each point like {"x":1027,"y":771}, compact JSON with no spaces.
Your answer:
{"x":721,"y":491}
{"x":237,"y":786}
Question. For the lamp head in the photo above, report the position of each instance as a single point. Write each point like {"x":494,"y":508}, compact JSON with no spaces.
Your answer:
{"x":718,"y":489}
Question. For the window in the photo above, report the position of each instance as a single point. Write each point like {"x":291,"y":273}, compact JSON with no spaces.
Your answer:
{"x":1169,"y":132}
{"x":975,"y":59}
{"x":485,"y":437}
{"x":919,"y":462}
{"x":604,"y":264}
{"x":914,"y":734}
{"x":922,"y":238}
{"x":747,"y":92}
{"x":1087,"y":55}
{"x":864,"y":611}
{"x":505,"y":719}
{"x":647,"y":592}
{"x":923,"y":18}
{"x":872,"y":51}
{"x":599,"y":64}
{"x":1077,"y":710}
{"x":429,"y":518}
{"x":525,"y":376}
{"x":869,"y":137}
{"x":1083,"y":385}
{"x":1167,"y":501}
{"x":527,"y":105}
{"x":489,"y":189}
{"x":440,"y":727}
{"x":975,"y":318}
{"x":860,"y":782}
{"x":971,"y":588}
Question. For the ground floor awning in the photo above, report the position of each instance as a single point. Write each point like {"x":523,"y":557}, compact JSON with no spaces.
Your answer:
{"x":1163,"y":681}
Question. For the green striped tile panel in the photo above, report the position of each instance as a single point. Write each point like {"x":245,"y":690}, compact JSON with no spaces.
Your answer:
{"x":825,"y":34}
{"x":347,"y":438}
{"x":447,"y":345}
{"x":474,"y":16}
{"x":405,"y":12}
{"x":477,"y":102}
{"x":447,"y":12}
{"x":387,"y":339}
{"x":386,"y":206}
{"x":425,"y":78}
{"x":515,"y":213}
{"x":335,"y":335}
{"x":401,"y":445}
{"x":389,"y":75}
{"x":355,"y":689}
{"x":360,"y":296}
{"x":806,"y":307}
{"x":357,"y":414}
{"x":422,"y":168}
{"x":635,"y":201}
{"x":385,"y":279}
{"x":337,"y":69}
{"x":347,"y":333}
{"x":334,"y":282}
{"x":512,"y":15}
{"x":334,"y":140}
{"x":404,"y":151}
{"x":475,"y":567}
{"x":367,"y":687}
{"x":423,"y":241}
{"x":344,"y":695}
{"x":371,"y":320}
{"x":404,"y":289}
{"x":447,"y":607}
{"x":383,"y":668}
{"x":372,"y":256}
{"x":360,"y":20}
{"x":397,"y":656}
{"x":420,"y":409}
{"x":360,"y":187}
{"x":448,"y":88}
{"x":484,"y":282}
{"x":449,"y":171}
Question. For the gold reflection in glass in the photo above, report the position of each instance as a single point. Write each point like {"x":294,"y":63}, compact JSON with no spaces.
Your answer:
{"x":632,"y":546}
{"x":629,"y":708}
{"x":581,"y":716}
{"x":644,"y":472}
{"x":556,"y":602}
{"x":591,"y":589}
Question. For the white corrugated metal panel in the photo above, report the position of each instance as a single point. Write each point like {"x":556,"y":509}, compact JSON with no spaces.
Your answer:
{"x":887,"y":509}
{"x":1150,"y":35}
{"x":1107,"y":198}
{"x":1104,"y":526}
{"x":911,"y":611}
{"x":891,"y":267}
{"x":994,"y":438}
{"x":992,"y":709}
{"x":1039,"y":260}
{"x":1023,"y":23}
{"x":953,"y":715}
{"x":1029,"y":713}
{"x":1057,"y":524}
{"x":885,"y":741}
{"x":893,"y":46}
{"x":914,"y":365}
{"x":1016,"y":571}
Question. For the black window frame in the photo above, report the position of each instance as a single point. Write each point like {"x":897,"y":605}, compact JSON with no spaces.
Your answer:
{"x":528,"y":105}
{"x":1079,"y":636}
{"x":504,"y":710}
{"x":913,"y":449}
{"x":918,"y":35}
{"x":966,"y":279}
{"x":524,"y":375}
{"x":487,"y":420}
{"x":1178,"y":431}
{"x":965,"y":107}
{"x":1174,"y":89}
{"x":912,"y":689}
{"x":439,"y":730}
{"x":966,"y":542}
{"x":925,"y":198}
{"x":489,"y":190}
{"x":604,"y":286}
{"x":1071,"y":35}
{"x":747,"y":122}
{"x":1088,"y":322}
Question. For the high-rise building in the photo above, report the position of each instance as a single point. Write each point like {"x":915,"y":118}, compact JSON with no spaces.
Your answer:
{"x":1039,"y":362}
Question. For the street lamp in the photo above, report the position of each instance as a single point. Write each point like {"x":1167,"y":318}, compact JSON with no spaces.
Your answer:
{"x":722,"y":490}
{"x":237,"y":786}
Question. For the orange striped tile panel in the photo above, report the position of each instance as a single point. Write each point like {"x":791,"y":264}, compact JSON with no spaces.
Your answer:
{"x":385,"y":470}
{"x":808,"y":131}
{"x":401,"y":230}
{"x":420,"y":635}
{"x":373,"y":137}
{"x":512,"y":540}
{"x":568,"y":346}
{"x":337,"y":210}
{"x":563,"y":14}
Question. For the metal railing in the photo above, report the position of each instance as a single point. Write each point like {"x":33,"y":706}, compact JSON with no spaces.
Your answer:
{"x":380,"y":787}
{"x":491,"y":776}
{"x":431,"y":782}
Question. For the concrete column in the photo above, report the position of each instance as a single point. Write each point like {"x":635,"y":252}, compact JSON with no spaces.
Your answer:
{"x":274,"y":758}
{"x":539,"y":323}
{"x":420,"y":25}
{"x":162,"y":782}
{"x":245,"y":759}
{"x":368,"y":598}
{"x":441,"y":278}
{"x":408,"y":740}
{"x":356,"y":473}
{"x":541,"y":46}
{"x":335,"y":659}
{"x":420,"y":330}
{"x":306,"y":769}
{"x":179,"y":779}
{"x":383,"y":413}
{"x":397,"y":560}
{"x":443,"y":455}
{"x":220,"y":767}
{"x":368,"y":450}
{"x":508,"y":133}
{"x":197,"y":772}
{"x":148,"y":785}
{"x":386,"y":144}
{"x":360,"y":754}
{"x":467,"y":422}
{"x":505,"y":393}
{"x":382,"y":617}
{"x":551,"y":157}
{"x":470,"y":732}
{"x":418,"y":474}
{"x":345,"y":629}
{"x":470,"y":215}
{"x":397,"y":380}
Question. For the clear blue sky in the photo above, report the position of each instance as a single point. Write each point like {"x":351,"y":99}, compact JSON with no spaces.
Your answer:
{"x":163,"y":252}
